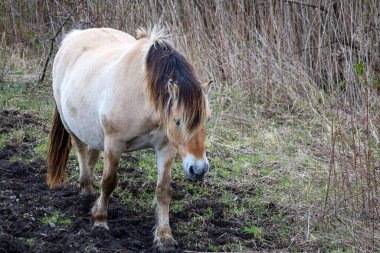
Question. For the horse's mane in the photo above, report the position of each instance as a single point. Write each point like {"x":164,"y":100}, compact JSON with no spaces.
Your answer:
{"x":163,"y":63}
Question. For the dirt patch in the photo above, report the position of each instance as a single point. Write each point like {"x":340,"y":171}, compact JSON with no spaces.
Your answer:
{"x":34,"y":218}
{"x":14,"y":119}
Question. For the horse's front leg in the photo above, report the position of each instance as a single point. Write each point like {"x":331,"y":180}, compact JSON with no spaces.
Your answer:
{"x":112,"y":153}
{"x":163,"y":239}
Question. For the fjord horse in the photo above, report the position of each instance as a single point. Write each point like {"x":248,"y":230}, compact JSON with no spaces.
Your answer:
{"x":116,"y":94}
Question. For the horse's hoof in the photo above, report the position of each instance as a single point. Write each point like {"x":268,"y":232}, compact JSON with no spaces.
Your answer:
{"x":86,"y":189}
{"x":166,"y":244}
{"x":101,"y":224}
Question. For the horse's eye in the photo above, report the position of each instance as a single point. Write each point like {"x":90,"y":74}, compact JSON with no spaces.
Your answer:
{"x":177,"y":122}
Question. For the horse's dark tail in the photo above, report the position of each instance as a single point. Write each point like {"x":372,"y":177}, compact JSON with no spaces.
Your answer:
{"x":59,"y":145}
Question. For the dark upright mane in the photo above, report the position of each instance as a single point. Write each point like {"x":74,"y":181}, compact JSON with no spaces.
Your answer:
{"x":163,"y":62}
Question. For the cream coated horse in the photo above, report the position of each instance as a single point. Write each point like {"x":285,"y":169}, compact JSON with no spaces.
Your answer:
{"x":116,"y":94}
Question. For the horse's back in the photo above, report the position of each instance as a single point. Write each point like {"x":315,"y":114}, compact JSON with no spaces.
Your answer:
{"x":82,"y":47}
{"x":98,"y":37}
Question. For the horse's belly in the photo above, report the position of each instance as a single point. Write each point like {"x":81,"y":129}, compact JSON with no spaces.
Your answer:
{"x":84,"y":125}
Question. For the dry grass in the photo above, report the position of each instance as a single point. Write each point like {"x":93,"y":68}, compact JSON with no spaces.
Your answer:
{"x":314,"y":64}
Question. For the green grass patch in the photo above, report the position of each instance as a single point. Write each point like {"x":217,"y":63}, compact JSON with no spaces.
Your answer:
{"x":23,"y":96}
{"x":253,"y":230}
{"x":177,"y":207}
{"x":56,"y":218}
{"x":30,"y":241}
{"x":264,"y":172}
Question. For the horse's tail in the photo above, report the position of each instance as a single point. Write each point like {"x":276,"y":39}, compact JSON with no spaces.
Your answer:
{"x":59,"y":145}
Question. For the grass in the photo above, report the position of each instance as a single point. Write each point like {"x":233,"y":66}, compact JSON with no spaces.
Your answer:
{"x":56,"y":218}
{"x":253,"y":230}
{"x":30,"y":241}
{"x":25,"y":96}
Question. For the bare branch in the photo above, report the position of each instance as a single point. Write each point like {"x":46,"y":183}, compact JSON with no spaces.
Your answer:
{"x":52,"y":47}
{"x":320,"y":7}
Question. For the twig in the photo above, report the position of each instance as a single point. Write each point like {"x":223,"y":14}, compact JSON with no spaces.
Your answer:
{"x":308,"y":226}
{"x":332,"y":163}
{"x":350,"y":44}
{"x":320,"y":7}
{"x":52,"y":47}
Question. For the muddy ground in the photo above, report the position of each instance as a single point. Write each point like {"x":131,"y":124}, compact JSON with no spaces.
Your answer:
{"x":26,"y":203}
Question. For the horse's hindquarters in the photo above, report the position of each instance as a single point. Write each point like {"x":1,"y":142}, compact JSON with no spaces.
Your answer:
{"x":81,"y":78}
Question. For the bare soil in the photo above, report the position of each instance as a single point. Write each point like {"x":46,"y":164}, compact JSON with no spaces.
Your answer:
{"x":26,"y":201}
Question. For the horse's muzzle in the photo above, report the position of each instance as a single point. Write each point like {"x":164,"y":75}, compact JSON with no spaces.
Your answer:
{"x":197,"y":172}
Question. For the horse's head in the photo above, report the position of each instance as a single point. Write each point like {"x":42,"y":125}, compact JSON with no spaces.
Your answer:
{"x":186,"y":129}
{"x":182,"y":104}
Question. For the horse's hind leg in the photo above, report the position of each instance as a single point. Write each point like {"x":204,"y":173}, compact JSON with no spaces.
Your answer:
{"x":87,"y":158}
{"x":112,"y":153}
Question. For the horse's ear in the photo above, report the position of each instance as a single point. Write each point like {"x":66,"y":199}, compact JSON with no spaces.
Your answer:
{"x":206,"y":86}
{"x":173,"y":89}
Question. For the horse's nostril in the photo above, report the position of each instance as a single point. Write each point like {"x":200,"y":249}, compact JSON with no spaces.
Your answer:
{"x":191,"y":170}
